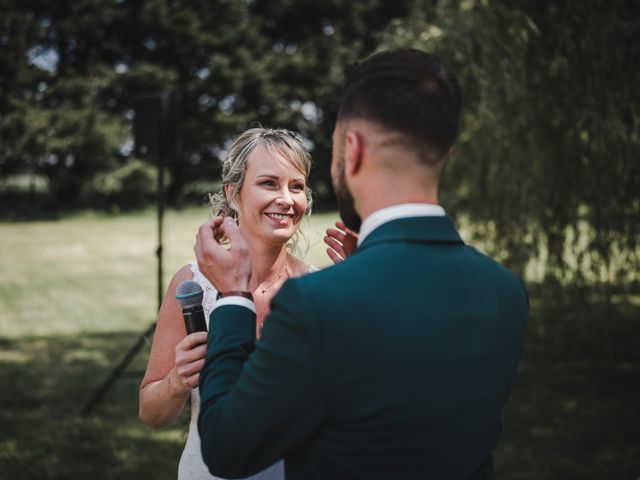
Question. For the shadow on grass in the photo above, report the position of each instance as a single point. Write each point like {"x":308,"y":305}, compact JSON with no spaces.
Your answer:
{"x":573,"y":412}
{"x":46,"y":382}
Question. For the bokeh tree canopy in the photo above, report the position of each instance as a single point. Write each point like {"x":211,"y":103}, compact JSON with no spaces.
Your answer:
{"x":546,"y":168}
{"x":548,"y":163}
{"x":75,"y":68}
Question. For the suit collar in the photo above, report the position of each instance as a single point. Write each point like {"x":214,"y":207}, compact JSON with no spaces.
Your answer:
{"x":414,"y":230}
{"x":394,"y":212}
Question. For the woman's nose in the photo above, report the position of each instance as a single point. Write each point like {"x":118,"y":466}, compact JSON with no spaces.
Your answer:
{"x":285,"y":198}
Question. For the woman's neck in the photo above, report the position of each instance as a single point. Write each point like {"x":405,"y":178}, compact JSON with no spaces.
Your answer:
{"x":267,"y":261}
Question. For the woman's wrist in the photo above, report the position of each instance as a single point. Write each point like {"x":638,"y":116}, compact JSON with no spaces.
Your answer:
{"x":174,"y":385}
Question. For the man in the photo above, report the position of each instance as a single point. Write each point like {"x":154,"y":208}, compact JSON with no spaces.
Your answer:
{"x":395,"y":363}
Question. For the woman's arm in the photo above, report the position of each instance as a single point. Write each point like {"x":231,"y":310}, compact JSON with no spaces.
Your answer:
{"x":174,"y":363}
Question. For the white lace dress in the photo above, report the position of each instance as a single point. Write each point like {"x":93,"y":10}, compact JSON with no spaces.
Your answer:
{"x":191,"y":466}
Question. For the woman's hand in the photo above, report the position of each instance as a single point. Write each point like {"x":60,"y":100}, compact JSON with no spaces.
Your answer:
{"x":341,"y":241}
{"x":189,"y":360}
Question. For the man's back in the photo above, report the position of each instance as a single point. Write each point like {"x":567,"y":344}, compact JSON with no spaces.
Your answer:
{"x":395,"y":363}
{"x":419,"y":339}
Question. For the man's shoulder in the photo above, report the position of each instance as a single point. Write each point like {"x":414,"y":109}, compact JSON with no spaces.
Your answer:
{"x":498,"y":269}
{"x":324,"y":282}
{"x":319,"y":277}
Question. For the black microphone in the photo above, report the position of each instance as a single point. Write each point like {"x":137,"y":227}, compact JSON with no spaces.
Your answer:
{"x":189,"y":296}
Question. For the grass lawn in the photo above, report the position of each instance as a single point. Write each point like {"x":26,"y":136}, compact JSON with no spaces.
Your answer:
{"x":92,"y":273}
{"x":75,"y":295}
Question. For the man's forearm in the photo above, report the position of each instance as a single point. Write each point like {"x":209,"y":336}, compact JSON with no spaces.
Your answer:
{"x":259,"y":405}
{"x":231,"y":341}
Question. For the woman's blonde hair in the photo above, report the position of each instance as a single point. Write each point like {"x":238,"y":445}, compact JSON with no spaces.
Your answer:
{"x":281,"y":144}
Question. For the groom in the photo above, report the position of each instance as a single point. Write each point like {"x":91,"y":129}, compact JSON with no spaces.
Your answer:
{"x":395,"y":363}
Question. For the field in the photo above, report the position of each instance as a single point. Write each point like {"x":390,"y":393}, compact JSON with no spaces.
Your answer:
{"x":76,"y":294}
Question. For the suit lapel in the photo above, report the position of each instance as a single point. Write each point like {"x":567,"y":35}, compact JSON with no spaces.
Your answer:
{"x":414,"y":230}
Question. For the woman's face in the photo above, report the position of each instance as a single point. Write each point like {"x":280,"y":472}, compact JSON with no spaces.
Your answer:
{"x":272,"y":200}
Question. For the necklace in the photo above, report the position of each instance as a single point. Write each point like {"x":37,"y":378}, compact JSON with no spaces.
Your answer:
{"x":280,"y":275}
{"x":264,"y":289}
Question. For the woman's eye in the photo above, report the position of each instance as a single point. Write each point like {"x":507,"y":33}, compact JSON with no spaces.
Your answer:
{"x":297,"y":187}
{"x":268,"y":183}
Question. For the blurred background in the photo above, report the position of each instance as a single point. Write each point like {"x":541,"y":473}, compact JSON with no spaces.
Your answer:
{"x":103,"y":101}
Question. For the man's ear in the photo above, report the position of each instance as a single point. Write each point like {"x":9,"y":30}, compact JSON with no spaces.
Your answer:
{"x":449,"y":153}
{"x":354,"y":152}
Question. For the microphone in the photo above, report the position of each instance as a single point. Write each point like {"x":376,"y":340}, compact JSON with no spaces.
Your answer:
{"x":189,"y":296}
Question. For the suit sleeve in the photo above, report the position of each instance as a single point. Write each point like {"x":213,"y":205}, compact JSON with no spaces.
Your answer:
{"x":258,"y":405}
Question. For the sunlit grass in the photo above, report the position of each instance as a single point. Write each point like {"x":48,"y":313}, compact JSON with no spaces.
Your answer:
{"x":96,"y":273}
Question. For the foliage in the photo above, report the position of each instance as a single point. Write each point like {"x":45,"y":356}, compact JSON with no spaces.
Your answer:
{"x":133,"y":185}
{"x":231,"y":62}
{"x":546,"y":168}
{"x":65,"y":142}
{"x":548,"y":162}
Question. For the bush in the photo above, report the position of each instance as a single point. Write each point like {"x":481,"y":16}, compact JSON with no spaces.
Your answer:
{"x":133,"y":185}
{"x":197,"y":192}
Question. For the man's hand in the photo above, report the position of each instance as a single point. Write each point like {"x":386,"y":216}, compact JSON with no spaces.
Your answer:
{"x":341,"y":241}
{"x":226,"y":268}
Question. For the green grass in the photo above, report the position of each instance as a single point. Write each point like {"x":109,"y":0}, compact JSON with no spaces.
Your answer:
{"x":68,"y":315}
{"x":93,"y":273}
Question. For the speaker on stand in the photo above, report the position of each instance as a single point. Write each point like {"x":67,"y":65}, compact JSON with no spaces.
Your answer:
{"x":156,"y":130}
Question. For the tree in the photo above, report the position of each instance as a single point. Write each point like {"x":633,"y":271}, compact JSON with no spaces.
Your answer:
{"x":232,"y":62}
{"x":547,"y":165}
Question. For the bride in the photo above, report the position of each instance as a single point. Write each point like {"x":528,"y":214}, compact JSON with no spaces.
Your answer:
{"x":265,"y":189}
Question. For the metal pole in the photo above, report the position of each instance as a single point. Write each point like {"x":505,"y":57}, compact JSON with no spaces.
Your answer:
{"x":161,"y":162}
{"x":160,"y":191}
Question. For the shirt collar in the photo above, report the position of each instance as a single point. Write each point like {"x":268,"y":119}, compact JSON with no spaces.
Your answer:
{"x":405,"y":210}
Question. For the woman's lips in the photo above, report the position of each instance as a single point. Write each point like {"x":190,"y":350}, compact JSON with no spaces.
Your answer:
{"x":280,"y":218}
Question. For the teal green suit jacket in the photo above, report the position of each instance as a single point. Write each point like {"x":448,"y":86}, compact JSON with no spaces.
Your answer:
{"x":394,"y":364}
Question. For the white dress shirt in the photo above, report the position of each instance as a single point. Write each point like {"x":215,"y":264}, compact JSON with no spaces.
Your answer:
{"x":404,"y":210}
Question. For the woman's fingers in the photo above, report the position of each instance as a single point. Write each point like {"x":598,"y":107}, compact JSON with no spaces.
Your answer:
{"x":191,"y":349}
{"x":340,"y":224}
{"x":335,"y":258}
{"x":338,"y":235}
{"x":341,"y":242}
{"x":191,"y":341}
{"x":335,"y":247}
{"x":188,"y":356}
{"x":185,"y":371}
{"x":194,"y":380}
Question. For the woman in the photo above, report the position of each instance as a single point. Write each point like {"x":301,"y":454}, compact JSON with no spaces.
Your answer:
{"x":264,"y":178}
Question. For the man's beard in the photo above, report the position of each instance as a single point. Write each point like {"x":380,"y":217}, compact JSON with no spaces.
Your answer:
{"x":346,"y":204}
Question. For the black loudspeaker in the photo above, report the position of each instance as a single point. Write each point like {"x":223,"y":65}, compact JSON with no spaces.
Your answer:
{"x":156,"y":126}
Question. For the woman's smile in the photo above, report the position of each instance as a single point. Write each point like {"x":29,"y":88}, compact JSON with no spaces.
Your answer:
{"x":280,"y":218}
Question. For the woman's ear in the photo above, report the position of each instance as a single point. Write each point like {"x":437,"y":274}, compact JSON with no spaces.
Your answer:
{"x":228,"y":193}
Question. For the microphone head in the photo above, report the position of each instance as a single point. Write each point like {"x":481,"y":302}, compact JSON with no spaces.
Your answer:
{"x":189,"y":294}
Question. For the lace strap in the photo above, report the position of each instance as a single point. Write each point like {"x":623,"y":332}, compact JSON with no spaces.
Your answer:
{"x":210,"y":292}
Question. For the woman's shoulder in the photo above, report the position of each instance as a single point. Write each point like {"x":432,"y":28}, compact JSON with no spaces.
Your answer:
{"x":185,"y":273}
{"x":299,"y":267}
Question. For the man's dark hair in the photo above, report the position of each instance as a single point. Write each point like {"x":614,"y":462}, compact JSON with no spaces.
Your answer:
{"x":408,"y":91}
